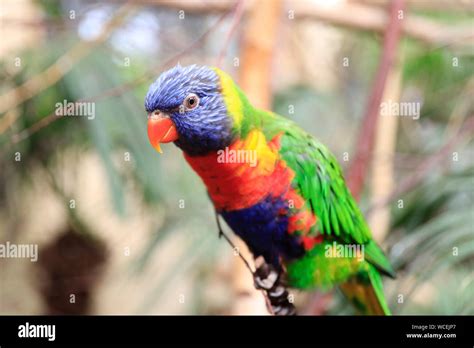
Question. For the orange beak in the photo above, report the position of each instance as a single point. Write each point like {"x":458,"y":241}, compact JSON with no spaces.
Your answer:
{"x":161,"y":130}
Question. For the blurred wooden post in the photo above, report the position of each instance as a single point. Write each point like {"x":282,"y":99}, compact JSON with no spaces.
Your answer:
{"x":255,"y":79}
{"x":382,"y":181}
{"x":257,"y":51}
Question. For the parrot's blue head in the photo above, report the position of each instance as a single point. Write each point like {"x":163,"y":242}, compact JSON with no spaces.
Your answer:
{"x":186,"y":105}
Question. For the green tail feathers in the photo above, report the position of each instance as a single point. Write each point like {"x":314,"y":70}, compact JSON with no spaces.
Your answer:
{"x":365,"y":291}
{"x":376,"y":257}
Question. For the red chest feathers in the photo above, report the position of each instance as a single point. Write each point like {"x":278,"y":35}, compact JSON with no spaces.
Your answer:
{"x":244,"y":173}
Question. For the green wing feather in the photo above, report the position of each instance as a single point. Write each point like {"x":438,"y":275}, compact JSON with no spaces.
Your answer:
{"x":320,"y":181}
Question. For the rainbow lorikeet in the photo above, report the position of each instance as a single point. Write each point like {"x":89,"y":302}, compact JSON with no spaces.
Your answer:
{"x":277,"y":187}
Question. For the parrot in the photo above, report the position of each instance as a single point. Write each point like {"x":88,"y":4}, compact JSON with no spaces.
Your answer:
{"x":279,"y":189}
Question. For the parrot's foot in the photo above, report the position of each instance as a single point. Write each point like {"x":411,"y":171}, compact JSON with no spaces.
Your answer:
{"x":265,"y":275}
{"x":267,"y":278}
{"x":280,"y":303}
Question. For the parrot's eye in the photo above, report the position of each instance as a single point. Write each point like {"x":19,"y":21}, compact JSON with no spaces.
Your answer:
{"x":191,"y":101}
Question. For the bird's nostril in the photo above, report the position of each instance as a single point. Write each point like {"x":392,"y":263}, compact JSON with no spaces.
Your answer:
{"x":155,"y":114}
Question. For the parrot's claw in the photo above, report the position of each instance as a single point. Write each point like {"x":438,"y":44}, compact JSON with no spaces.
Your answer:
{"x":265,"y":276}
{"x":277,"y":292}
{"x":266,"y":283}
{"x":284,"y":310}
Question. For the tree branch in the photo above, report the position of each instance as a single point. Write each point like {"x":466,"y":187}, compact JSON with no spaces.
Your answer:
{"x":346,"y":14}
{"x":358,"y":168}
{"x":63,"y":65}
{"x":239,"y":9}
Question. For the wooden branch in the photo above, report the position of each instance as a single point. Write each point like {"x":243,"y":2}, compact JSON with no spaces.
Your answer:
{"x":347,"y":14}
{"x":239,"y":9}
{"x":431,"y":5}
{"x":358,"y":168}
{"x":376,"y":19}
{"x":63,"y":65}
{"x":198,"y":7}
